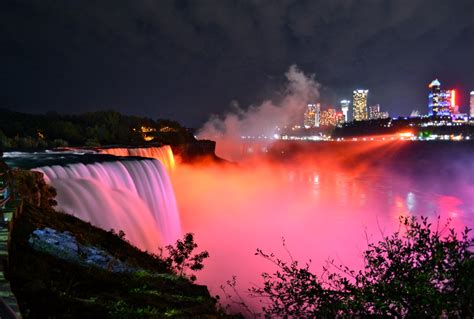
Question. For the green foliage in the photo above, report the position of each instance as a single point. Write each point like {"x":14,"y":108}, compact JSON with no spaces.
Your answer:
{"x":121,"y":309}
{"x":182,"y":259}
{"x":5,"y":142}
{"x":294,"y":291}
{"x":92,"y":142}
{"x":21,"y":131}
{"x":416,"y":272}
{"x":51,"y":287}
{"x":58,"y":142}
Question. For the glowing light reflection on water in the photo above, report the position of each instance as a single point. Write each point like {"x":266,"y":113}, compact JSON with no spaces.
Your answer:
{"x":324,"y":205}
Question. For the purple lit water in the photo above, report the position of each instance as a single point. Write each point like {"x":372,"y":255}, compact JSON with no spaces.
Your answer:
{"x":327,"y":200}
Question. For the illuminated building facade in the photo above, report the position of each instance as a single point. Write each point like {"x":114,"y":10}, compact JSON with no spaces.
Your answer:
{"x":384,"y":115}
{"x":340,"y":118}
{"x":318,"y":115}
{"x":312,"y":115}
{"x":328,"y":117}
{"x":359,"y":104}
{"x":374,"y":112}
{"x":454,"y":106}
{"x":472,"y":104}
{"x":440,"y":101}
{"x":345,"y":109}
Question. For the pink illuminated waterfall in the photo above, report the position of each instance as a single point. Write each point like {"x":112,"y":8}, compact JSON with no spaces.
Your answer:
{"x":164,"y":154}
{"x":135,"y":196}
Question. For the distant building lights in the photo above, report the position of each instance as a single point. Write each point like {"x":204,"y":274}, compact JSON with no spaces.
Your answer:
{"x":453,"y":98}
{"x":359,"y":104}
{"x":434,"y":83}
{"x":406,"y":134}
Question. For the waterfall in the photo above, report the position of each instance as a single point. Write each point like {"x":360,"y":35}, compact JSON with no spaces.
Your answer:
{"x":135,"y":196}
{"x":164,"y":154}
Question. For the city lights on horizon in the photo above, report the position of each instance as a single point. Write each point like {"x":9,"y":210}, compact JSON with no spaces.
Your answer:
{"x":441,"y":103}
{"x":319,"y":121}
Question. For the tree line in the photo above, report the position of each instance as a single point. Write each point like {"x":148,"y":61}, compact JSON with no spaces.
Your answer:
{"x":21,"y":131}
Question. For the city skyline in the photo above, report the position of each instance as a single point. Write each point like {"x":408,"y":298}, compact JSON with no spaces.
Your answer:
{"x":448,"y":99}
{"x":186,"y":60}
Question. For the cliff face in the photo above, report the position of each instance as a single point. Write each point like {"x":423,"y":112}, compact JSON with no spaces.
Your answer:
{"x":195,"y":150}
{"x":63,"y":267}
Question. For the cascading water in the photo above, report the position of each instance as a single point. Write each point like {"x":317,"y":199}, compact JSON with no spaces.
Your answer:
{"x":135,"y":196}
{"x":164,"y":154}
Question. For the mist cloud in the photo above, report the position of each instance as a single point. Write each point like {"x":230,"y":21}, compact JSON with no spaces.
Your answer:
{"x":263,"y":119}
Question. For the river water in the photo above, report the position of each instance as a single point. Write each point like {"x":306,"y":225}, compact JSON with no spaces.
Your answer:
{"x":327,"y":201}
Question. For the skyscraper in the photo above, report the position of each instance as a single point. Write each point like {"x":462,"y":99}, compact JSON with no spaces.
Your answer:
{"x":472,"y":104}
{"x":312,"y":115}
{"x":345,"y":109}
{"x":318,"y":114}
{"x":439,"y":101}
{"x":359,"y":104}
{"x":309,"y":116}
{"x":329,"y":117}
{"x":374,"y":112}
{"x":340,"y":119}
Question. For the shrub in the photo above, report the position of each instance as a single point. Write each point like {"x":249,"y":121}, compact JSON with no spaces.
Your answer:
{"x":417,"y":271}
{"x":181,"y":258}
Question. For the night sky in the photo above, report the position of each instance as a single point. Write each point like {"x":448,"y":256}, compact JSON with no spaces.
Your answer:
{"x":184,"y":60}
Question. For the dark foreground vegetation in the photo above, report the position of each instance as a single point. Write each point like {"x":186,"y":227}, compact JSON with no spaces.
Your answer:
{"x":420,"y":271}
{"x":54,"y":286}
{"x":21,"y":131}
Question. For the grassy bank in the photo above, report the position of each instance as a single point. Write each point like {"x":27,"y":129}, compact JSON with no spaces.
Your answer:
{"x":48,"y":286}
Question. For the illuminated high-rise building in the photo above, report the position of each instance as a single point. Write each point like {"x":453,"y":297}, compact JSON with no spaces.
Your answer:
{"x":472,"y":104}
{"x":440,"y":101}
{"x":312,"y":115}
{"x":374,"y":112}
{"x":309,"y":116}
{"x":384,"y":115}
{"x":328,"y":117}
{"x":317,"y":120}
{"x":340,"y":118}
{"x":454,"y":107}
{"x":345,"y":109}
{"x":324,"y":118}
{"x":359,"y":104}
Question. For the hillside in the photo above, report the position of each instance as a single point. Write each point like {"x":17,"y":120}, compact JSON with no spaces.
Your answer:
{"x":63,"y":267}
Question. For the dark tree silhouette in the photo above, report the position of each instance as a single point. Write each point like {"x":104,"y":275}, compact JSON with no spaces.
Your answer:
{"x":419,"y":271}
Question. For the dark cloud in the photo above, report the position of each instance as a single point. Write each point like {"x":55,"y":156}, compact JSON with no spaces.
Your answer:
{"x":185,"y":59}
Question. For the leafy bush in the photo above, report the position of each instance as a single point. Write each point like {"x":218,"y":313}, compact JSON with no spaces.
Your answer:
{"x":181,"y":258}
{"x":417,"y":271}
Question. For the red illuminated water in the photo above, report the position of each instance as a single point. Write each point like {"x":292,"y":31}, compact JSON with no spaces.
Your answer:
{"x":163,"y":153}
{"x":326,"y":200}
